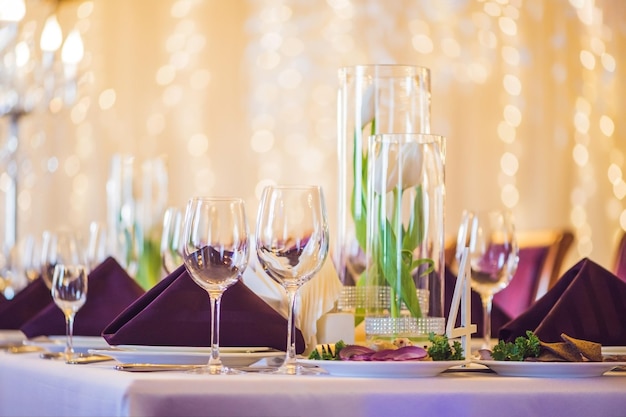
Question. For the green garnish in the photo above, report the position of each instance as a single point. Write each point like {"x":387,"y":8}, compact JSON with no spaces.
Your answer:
{"x":524,"y":347}
{"x":325,"y":352}
{"x":440,"y":349}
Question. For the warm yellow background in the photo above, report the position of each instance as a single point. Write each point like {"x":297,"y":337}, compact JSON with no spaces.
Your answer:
{"x":530,"y":94}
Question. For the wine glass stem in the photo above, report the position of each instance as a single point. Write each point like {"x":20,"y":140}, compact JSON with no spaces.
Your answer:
{"x":215,"y":363}
{"x":487,"y":301}
{"x":69,"y":334}
{"x":290,"y":359}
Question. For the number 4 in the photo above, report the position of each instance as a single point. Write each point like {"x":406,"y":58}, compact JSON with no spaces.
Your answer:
{"x":462,"y":298}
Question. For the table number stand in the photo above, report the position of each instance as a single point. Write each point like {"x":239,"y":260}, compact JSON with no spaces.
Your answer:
{"x":462,"y":299}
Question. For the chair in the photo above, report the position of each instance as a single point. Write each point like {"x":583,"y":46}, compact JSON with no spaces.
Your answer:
{"x":619,"y":262}
{"x":541,"y":257}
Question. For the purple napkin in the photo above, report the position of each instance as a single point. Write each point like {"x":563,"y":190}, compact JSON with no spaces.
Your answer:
{"x":26,"y":304}
{"x":177,"y":312}
{"x":111,"y":290}
{"x":588,"y":302}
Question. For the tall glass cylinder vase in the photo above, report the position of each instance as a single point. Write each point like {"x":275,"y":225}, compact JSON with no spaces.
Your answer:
{"x":405,"y":237}
{"x":372,"y":99}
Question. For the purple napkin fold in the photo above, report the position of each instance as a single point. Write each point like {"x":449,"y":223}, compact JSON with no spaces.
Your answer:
{"x":177,"y":312}
{"x":588,"y":302}
{"x":25,"y":305}
{"x":110,"y":291}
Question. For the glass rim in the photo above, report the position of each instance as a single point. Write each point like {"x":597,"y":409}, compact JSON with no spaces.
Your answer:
{"x":406,"y":70}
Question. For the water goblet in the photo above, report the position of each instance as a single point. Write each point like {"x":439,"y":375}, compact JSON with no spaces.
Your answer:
{"x":69,"y":292}
{"x":292,"y":245}
{"x":171,"y":240}
{"x":493,"y":255}
{"x":59,"y":247}
{"x":215,"y":253}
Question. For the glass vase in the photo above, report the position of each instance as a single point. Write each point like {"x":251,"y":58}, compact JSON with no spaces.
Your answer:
{"x":405,"y":237}
{"x":372,"y":99}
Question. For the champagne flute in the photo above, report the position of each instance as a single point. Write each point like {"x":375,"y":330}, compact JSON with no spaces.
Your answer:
{"x":171,"y":239}
{"x":493,"y":256}
{"x":292,"y":245}
{"x":60,"y":247}
{"x":215,"y":253}
{"x":69,"y":292}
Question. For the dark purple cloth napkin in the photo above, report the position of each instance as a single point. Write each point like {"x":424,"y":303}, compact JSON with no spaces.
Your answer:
{"x":177,"y":312}
{"x":110,"y":291}
{"x":26,"y":304}
{"x":588,"y":302}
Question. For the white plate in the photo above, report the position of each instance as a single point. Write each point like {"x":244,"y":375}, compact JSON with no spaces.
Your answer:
{"x":550,"y":369}
{"x":384,"y":369}
{"x":614,"y":350}
{"x":223,"y":349}
{"x":57,"y":343}
{"x":11,"y":336}
{"x":170,"y":355}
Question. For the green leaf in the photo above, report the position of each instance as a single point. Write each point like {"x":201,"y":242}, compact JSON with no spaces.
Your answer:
{"x":415,"y":231}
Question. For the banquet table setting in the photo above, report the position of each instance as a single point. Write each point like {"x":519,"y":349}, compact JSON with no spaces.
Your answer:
{"x":161,"y":382}
{"x":209,"y":309}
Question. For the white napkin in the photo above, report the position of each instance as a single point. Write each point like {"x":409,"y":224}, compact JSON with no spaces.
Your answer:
{"x":315,"y":298}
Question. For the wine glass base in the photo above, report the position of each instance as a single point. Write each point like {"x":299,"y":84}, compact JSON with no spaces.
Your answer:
{"x":215,"y":370}
{"x":296,"y":369}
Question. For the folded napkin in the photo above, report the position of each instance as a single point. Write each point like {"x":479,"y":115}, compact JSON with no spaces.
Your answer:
{"x":26,"y":304}
{"x":177,"y":312}
{"x":110,"y":291}
{"x":588,"y":302}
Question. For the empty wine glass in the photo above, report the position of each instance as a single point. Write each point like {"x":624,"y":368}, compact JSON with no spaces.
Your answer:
{"x":69,"y":292}
{"x":60,"y":247}
{"x":215,"y":253}
{"x":171,"y":240}
{"x":30,"y":258}
{"x":493,"y":255}
{"x":97,"y":244}
{"x":292,"y":245}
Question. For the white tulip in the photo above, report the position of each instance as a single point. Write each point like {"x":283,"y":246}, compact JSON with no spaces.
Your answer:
{"x":399,"y":166}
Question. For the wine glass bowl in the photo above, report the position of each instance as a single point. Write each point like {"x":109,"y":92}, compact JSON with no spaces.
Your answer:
{"x":69,"y":292}
{"x":171,"y":239}
{"x":292,"y":242}
{"x":59,"y":247}
{"x":215,"y":253}
{"x":493,"y":255}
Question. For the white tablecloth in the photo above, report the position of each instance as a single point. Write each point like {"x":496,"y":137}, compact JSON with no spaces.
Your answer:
{"x":30,"y":386}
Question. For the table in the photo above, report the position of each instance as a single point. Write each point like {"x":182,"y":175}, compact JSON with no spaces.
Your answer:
{"x":31,"y":386}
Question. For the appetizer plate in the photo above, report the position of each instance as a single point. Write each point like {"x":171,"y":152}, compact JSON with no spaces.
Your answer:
{"x":550,"y":369}
{"x":201,"y":349}
{"x":57,"y":343}
{"x":177,"y":355}
{"x":384,"y":369}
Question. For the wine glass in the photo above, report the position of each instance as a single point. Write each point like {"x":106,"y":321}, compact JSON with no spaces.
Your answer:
{"x":59,"y":247}
{"x":493,"y":255}
{"x":171,"y":239}
{"x":97,"y":244}
{"x":69,"y":292}
{"x":30,"y":258}
{"x":215,"y":253}
{"x":292,"y":245}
